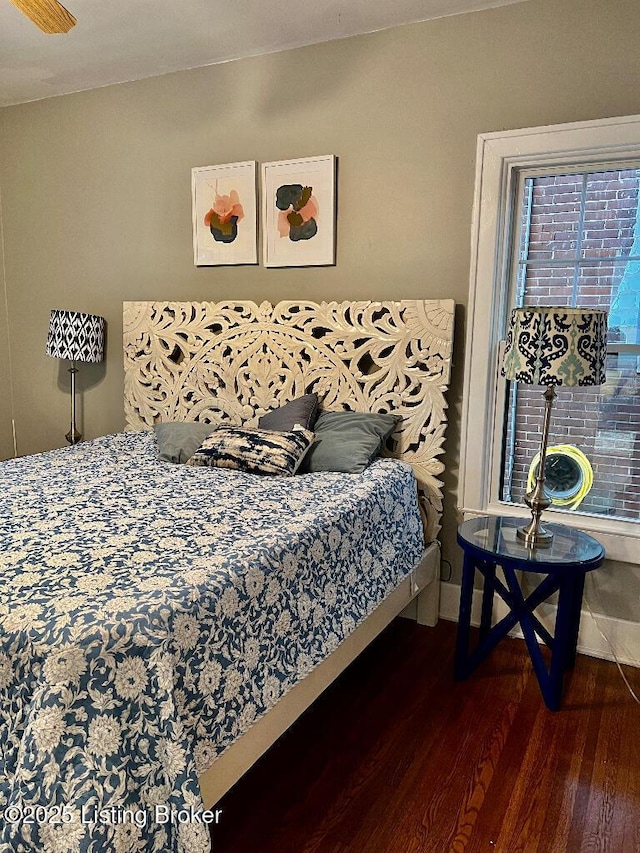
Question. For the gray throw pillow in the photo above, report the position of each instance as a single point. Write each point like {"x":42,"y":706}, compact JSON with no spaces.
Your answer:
{"x":303,"y":411}
{"x":179,"y":440}
{"x":348,"y":441}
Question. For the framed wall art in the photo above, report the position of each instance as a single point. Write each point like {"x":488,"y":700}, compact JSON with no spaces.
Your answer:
{"x":299,"y":212}
{"x":224,"y":206}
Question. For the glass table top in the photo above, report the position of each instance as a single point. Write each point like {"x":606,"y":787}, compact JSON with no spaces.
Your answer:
{"x":496,"y":535}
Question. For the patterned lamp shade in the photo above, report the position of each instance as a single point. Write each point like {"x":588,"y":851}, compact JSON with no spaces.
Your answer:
{"x":76,"y":336}
{"x":556,"y":346}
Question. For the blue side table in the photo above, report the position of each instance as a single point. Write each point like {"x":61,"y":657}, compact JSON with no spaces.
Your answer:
{"x":489,"y":542}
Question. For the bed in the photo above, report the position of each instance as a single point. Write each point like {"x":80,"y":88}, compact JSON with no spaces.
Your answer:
{"x":161,"y":625}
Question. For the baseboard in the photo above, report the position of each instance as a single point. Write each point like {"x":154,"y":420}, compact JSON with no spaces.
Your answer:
{"x":623,"y":636}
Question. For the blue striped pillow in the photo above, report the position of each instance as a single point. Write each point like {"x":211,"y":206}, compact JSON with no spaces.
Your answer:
{"x":253,"y":451}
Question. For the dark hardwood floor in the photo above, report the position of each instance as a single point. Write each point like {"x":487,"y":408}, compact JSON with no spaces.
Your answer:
{"x":397,"y":758}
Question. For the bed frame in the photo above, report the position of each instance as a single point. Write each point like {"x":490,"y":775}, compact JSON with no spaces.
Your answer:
{"x":234,"y":361}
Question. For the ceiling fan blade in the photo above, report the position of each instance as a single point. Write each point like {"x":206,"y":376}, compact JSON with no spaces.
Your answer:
{"x":49,"y":15}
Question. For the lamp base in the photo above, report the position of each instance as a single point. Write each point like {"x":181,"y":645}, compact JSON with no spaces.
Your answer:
{"x":534,"y":535}
{"x":73,"y":436}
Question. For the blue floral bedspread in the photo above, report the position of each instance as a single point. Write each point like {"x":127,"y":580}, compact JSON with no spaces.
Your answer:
{"x":150,"y":613}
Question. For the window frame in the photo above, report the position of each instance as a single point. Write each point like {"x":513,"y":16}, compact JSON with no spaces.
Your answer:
{"x":501,"y":158}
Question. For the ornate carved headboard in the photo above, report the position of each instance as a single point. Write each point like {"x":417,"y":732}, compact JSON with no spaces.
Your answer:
{"x":234,"y":361}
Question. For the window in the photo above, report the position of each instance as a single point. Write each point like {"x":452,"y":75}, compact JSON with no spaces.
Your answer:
{"x":557,"y":222}
{"x":578,"y":240}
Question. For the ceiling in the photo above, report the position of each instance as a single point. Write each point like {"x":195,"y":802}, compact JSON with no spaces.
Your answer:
{"x":120,"y":40}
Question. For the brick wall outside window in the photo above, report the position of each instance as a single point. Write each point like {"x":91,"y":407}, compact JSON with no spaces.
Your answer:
{"x":603,"y":423}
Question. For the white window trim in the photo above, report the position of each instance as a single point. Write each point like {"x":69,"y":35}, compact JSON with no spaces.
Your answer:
{"x":500,"y":158}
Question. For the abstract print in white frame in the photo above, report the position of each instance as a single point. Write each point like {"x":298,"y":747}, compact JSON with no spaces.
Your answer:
{"x":224,"y":209}
{"x":299,"y":212}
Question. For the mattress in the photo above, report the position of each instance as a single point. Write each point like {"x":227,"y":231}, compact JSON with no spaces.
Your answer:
{"x":150,"y":613}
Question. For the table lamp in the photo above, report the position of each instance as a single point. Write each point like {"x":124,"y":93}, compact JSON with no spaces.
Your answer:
{"x":553,"y":346}
{"x":77,"y":337}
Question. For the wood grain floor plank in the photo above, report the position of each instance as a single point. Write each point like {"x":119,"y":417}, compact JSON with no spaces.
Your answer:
{"x":558,"y":819}
{"x":507,"y":772}
{"x":604,"y":815}
{"x":398,"y":758}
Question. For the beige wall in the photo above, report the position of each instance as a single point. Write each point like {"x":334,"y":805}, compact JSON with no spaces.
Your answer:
{"x":96,"y":186}
{"x":6,"y":440}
